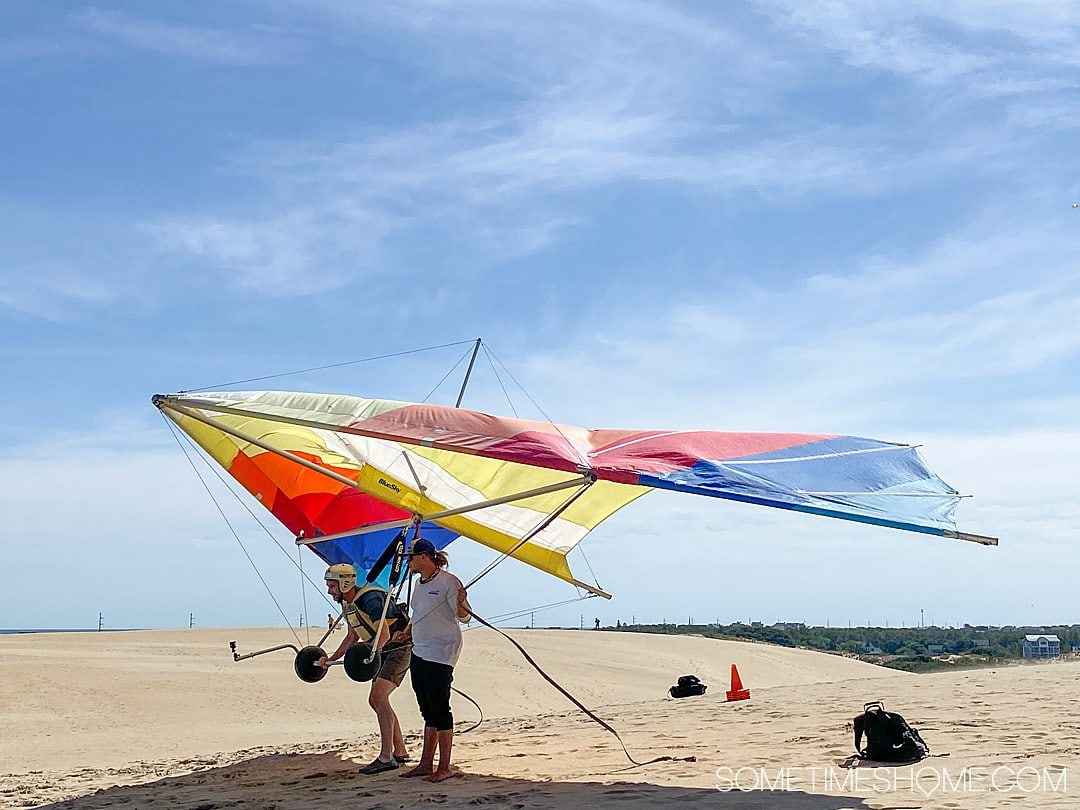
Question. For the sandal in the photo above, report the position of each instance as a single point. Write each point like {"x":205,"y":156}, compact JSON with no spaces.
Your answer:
{"x":378,"y":766}
{"x":402,"y":759}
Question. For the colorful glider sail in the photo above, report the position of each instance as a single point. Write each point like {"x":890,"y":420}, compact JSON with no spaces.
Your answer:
{"x":332,"y":464}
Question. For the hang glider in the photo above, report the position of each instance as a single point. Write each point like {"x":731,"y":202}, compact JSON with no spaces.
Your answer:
{"x":347,"y":472}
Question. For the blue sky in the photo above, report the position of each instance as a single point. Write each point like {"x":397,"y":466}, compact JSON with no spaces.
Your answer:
{"x":747,"y":216}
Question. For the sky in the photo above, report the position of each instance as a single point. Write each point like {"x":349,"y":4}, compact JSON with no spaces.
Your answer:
{"x":749,"y":216}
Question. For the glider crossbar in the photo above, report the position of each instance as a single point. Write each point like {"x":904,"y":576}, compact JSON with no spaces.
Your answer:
{"x":460,"y":510}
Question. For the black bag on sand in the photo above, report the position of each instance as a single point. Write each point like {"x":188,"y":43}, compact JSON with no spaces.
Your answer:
{"x":687,"y":686}
{"x":889,"y":738}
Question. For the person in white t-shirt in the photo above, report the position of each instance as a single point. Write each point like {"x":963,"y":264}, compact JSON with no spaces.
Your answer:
{"x":438,"y":605}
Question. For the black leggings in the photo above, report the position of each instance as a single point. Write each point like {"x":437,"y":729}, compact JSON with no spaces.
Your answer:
{"x":431,"y":682}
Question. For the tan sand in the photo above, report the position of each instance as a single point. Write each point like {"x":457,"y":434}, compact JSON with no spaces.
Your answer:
{"x":167,"y":719}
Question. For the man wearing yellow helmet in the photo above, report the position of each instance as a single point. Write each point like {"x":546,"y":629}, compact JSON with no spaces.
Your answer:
{"x":363,"y":609}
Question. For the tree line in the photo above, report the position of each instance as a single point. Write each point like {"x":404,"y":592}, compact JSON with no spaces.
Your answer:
{"x":893,"y":642}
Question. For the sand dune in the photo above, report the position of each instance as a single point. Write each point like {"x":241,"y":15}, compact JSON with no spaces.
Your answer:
{"x":167,"y":719}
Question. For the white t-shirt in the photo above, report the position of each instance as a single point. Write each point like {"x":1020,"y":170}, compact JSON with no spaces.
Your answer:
{"x":436,"y":633}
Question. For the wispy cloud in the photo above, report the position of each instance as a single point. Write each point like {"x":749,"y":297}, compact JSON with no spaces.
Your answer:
{"x":600,"y":97}
{"x":941,"y":42}
{"x":53,"y":292}
{"x":252,"y":45}
{"x":595,"y":99}
{"x":299,"y":250}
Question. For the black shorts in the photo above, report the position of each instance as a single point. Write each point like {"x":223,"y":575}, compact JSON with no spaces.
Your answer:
{"x":431,"y":682}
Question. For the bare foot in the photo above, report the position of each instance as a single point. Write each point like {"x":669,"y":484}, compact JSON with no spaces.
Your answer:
{"x":419,"y":770}
{"x":439,"y":776}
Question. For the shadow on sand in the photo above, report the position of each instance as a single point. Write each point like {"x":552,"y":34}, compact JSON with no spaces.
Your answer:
{"x":287,"y":781}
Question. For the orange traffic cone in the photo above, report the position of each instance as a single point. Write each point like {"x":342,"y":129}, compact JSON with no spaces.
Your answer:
{"x":737,"y":692}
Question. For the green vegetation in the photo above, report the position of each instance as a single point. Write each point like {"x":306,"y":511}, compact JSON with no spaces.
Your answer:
{"x":914,"y":649}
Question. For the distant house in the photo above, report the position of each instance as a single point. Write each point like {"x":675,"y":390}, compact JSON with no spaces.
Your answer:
{"x":870,"y":648}
{"x":980,"y":642}
{"x":790,"y":626}
{"x":935,"y":649}
{"x":1041,"y":646}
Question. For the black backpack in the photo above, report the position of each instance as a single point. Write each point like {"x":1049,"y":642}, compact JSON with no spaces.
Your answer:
{"x":687,"y":686}
{"x":889,"y":738}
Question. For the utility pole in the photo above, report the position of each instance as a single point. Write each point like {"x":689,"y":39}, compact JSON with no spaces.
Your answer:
{"x":532,"y":621}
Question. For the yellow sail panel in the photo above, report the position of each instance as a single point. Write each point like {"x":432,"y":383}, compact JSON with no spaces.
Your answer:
{"x":551,"y":561}
{"x":454,"y":480}
{"x":492,"y":478}
{"x":220,"y":446}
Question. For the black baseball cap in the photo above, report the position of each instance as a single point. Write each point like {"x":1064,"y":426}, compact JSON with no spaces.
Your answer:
{"x":422,"y":546}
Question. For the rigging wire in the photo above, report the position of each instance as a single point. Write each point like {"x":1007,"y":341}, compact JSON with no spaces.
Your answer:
{"x":581,"y":547}
{"x":303,"y":593}
{"x":505,"y":617}
{"x":323,"y":368}
{"x":254,"y":516}
{"x":495,"y":371}
{"x":447,"y":374}
{"x":543,"y":524}
{"x":584,"y":461}
{"x":234,"y":534}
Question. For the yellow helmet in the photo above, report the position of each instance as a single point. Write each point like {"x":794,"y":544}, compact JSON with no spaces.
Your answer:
{"x":343,"y":574}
